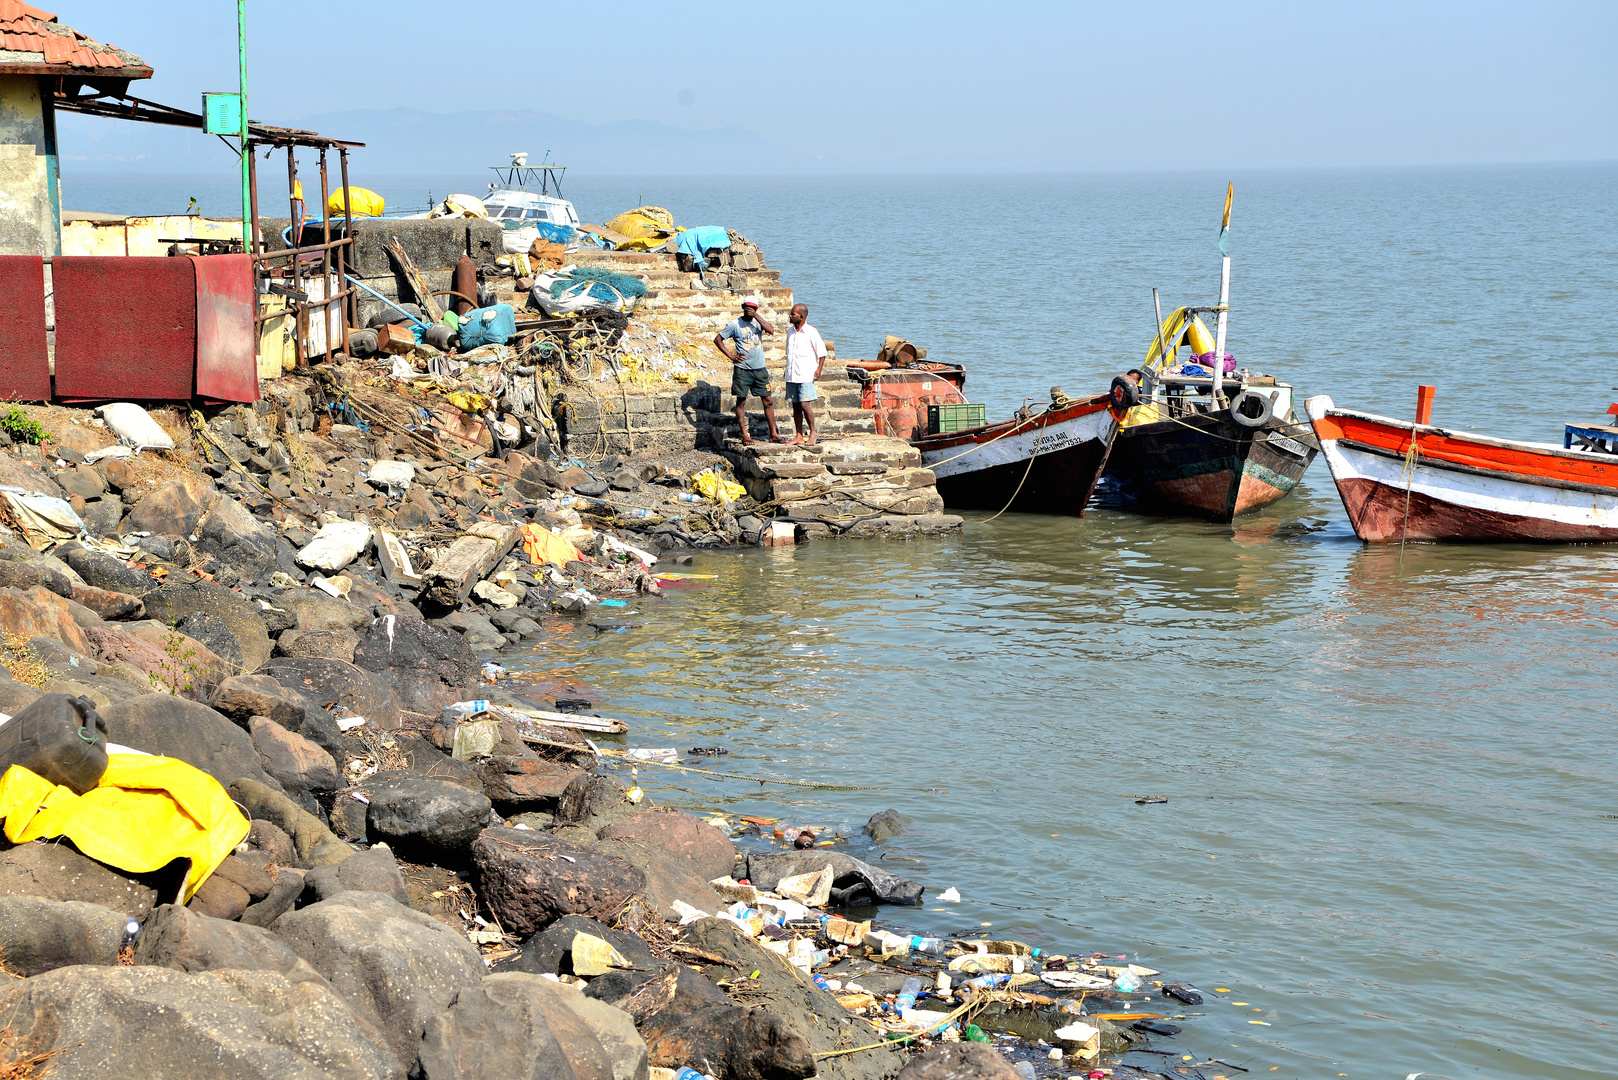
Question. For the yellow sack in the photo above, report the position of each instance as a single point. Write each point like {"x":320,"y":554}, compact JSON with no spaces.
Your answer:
{"x":646,"y":226}
{"x":365,"y":202}
{"x":543,"y":546}
{"x":464,"y":206}
{"x":710,"y":484}
{"x":476,"y":404}
{"x":1177,"y":332}
{"x":146,"y":812}
{"x":593,"y":956}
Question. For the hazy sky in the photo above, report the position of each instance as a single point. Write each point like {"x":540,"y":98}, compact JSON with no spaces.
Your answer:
{"x":938,"y":87}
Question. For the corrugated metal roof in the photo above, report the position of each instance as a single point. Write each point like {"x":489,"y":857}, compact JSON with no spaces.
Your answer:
{"x":26,"y":29}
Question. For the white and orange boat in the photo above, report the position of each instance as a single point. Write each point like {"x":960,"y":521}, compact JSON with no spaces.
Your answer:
{"x":1412,"y":481}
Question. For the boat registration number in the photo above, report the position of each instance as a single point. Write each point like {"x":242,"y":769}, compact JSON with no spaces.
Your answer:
{"x":1281,"y":442}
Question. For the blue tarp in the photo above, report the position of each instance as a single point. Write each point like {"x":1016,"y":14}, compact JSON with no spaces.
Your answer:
{"x":699,"y":241}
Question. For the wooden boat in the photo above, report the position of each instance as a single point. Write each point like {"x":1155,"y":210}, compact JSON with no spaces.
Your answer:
{"x":1190,"y":449}
{"x":1045,"y":460}
{"x":1412,"y":481}
{"x":1178,"y":454}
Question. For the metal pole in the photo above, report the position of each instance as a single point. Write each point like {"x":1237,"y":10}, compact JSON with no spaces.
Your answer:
{"x":351,"y":304}
{"x":247,"y":151}
{"x":1224,"y":302}
{"x":326,"y":286}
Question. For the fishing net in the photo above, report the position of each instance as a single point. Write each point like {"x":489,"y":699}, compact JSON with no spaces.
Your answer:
{"x":625,"y":285}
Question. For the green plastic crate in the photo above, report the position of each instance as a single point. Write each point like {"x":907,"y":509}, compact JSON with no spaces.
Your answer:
{"x":947,"y":419}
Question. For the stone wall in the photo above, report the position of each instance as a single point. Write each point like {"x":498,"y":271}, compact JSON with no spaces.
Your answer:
{"x":28,"y":221}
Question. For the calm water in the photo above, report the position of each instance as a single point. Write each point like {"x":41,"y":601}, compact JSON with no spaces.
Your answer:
{"x":1390,"y":827}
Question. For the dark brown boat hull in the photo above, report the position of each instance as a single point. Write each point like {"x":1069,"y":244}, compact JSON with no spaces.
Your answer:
{"x":1206,"y":466}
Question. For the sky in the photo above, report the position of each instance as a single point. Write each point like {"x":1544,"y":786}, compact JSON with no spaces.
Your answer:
{"x":939,"y":88}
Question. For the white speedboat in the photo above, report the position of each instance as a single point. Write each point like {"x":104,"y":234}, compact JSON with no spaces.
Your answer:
{"x":525,"y":214}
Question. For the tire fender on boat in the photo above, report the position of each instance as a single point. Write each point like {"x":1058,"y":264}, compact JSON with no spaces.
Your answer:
{"x":1125,"y":395}
{"x":1243,"y":401}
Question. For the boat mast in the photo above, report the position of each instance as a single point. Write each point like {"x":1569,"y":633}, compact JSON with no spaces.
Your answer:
{"x":1224,"y":300}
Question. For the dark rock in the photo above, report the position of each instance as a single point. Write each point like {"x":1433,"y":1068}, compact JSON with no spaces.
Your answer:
{"x":213,"y":632}
{"x":283,"y":894}
{"x":731,"y":1041}
{"x":526,"y":627}
{"x":480,"y":634}
{"x":296,"y":763}
{"x":593,"y":489}
{"x":54,"y":871}
{"x":188,"y":730}
{"x":224,"y":1025}
{"x":28,"y":575}
{"x":677,"y":991}
{"x":593,"y":800}
{"x":38,"y":935}
{"x":425,"y":758}
{"x":175,"y":601}
{"x":85,"y":482}
{"x":348,"y":818}
{"x":109,"y":604}
{"x":248,"y":869}
{"x":317,"y":611}
{"x":101,"y":570}
{"x":170,"y":510}
{"x":429,"y":665}
{"x":669,"y":877}
{"x":625,"y":480}
{"x":527,"y":882}
{"x":708,"y":849}
{"x":396,"y":968}
{"x":315,"y":844}
{"x":549,"y":952}
{"x":373,"y":870}
{"x":335,"y":644}
{"x":237,"y":539}
{"x":334,"y":682}
{"x":887,"y":823}
{"x":319,"y":728}
{"x":516,"y":785}
{"x":852,"y":881}
{"x":959,"y":1061}
{"x":512,"y":1026}
{"x":180,"y":938}
{"x":272,"y":841}
{"x":220,"y":899}
{"x":421,"y":815}
{"x":101,"y":517}
{"x":242,"y":697}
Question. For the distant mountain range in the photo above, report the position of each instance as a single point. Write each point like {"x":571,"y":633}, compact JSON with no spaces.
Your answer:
{"x":414,"y":142}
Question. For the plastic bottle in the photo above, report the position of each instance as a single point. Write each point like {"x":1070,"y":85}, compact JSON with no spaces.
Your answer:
{"x":989,"y":982}
{"x":907,"y":995}
{"x":820,"y":981}
{"x":688,"y":1073}
{"x":1127,"y":982}
{"x":689,"y":496}
{"x":468,"y":708}
{"x":926,"y":945}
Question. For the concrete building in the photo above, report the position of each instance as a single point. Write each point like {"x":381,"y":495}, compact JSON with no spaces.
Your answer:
{"x":40,"y":58}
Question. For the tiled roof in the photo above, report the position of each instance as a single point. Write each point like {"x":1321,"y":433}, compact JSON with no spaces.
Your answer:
{"x":25,"y":29}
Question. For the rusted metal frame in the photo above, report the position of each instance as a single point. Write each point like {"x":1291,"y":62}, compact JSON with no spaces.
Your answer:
{"x":309,"y":249}
{"x":127,"y":107}
{"x":300,"y":310}
{"x":293,"y":302}
{"x":326,"y":282}
{"x":353,"y":307}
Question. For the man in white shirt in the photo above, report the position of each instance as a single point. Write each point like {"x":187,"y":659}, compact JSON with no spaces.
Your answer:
{"x":806,"y":359}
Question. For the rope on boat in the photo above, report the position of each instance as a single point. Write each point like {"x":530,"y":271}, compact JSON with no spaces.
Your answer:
{"x":1408,"y":475}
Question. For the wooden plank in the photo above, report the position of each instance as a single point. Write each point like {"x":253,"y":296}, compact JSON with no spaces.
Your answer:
{"x":424,"y":294}
{"x":465,"y":562}
{"x":598,"y":724}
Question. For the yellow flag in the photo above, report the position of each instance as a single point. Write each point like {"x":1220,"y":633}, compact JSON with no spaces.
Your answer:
{"x":1224,"y":224}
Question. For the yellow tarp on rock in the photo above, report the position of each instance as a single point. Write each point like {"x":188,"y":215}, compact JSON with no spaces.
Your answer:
{"x":646,"y":227}
{"x":543,"y":546}
{"x":366,"y":203}
{"x":146,"y":812}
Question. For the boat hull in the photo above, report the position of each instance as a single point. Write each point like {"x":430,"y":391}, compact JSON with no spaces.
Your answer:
{"x":1048,"y":464}
{"x":1462,"y":488}
{"x":1206,"y":465}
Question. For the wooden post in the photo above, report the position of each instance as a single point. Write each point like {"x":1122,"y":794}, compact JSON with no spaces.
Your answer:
{"x":1424,"y":405}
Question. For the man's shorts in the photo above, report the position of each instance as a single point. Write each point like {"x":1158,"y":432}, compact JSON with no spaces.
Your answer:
{"x":746,"y":382}
{"x":801,"y":391}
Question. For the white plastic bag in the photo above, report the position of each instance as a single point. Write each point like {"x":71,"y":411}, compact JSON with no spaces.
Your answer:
{"x":396,"y":476}
{"x":135,"y":427}
{"x":335,"y":545}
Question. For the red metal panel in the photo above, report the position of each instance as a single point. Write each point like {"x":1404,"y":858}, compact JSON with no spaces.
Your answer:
{"x":126,"y":327}
{"x":227,"y":370}
{"x":25,"y":367}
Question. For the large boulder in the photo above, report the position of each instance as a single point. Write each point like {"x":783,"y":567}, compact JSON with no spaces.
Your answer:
{"x":107,"y":603}
{"x":237,"y":539}
{"x":420,"y":815}
{"x":165,"y":659}
{"x":17,"y":574}
{"x":179,"y":938}
{"x":529,"y":879}
{"x":53,"y":871}
{"x":312,"y":610}
{"x":171,"y":509}
{"x":669,"y":877}
{"x":176,"y":600}
{"x":853,"y":882}
{"x":99,"y":1022}
{"x":38,"y":935}
{"x":959,"y":1061}
{"x":517,"y":785}
{"x":513,"y":1027}
{"x":296,"y":763}
{"x":38,"y":612}
{"x":216,"y":635}
{"x":429,"y":665}
{"x":315,"y":844}
{"x":104,"y":571}
{"x":706,"y":848}
{"x":594,"y":800}
{"x":373,"y":870}
{"x":335,"y":644}
{"x":396,"y":968}
{"x":550,"y":952}
{"x":333,"y":682}
{"x":732,"y":1041}
{"x":423,"y":757}
{"x":190,"y":731}
{"x":242,"y":697}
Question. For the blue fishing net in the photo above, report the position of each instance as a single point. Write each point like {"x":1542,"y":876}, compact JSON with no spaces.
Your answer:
{"x":629,"y":286}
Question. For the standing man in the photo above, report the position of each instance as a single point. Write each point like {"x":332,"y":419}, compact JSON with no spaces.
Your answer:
{"x":742,"y":341}
{"x":806,"y":359}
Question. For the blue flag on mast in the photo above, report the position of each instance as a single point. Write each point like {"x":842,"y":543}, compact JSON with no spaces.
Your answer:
{"x":1224,"y":225}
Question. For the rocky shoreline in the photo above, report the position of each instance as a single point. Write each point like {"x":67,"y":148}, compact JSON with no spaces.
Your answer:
{"x":298,"y":608}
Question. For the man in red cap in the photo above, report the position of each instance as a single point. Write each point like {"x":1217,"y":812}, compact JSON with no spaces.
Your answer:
{"x":742,"y":341}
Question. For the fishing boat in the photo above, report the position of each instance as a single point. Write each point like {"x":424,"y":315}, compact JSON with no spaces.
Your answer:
{"x":1402,"y":480}
{"x":1206,"y":440}
{"x":1044,"y":460}
{"x":526,"y":200}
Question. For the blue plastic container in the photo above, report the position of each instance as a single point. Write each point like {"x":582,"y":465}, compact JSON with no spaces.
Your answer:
{"x":488,"y":326}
